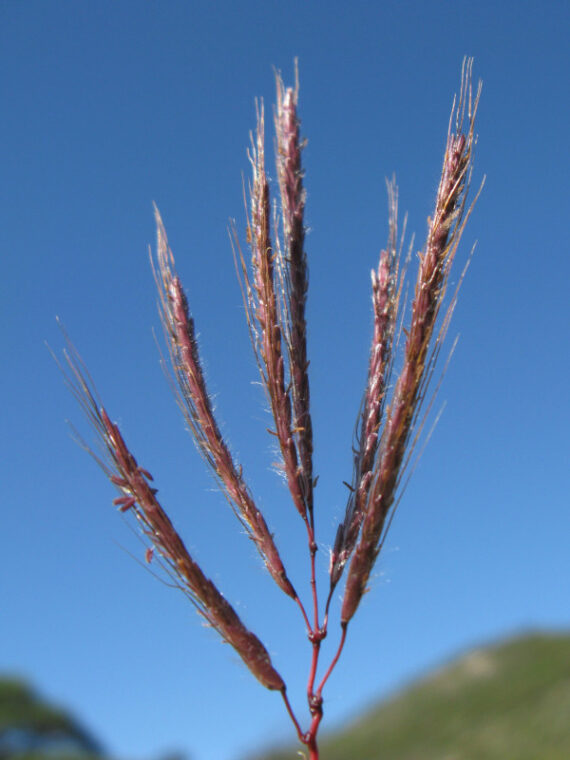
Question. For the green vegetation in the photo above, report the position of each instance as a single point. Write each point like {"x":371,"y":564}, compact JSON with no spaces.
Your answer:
{"x":505,"y":702}
{"x":510,"y":701}
{"x":33,"y":729}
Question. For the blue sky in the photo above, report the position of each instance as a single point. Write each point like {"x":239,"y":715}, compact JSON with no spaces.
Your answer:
{"x":108,"y":106}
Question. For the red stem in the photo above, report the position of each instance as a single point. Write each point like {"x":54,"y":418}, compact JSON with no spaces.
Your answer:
{"x":304,"y":614}
{"x":316,"y":634}
{"x":334,"y":660}
{"x":300,"y":733}
{"x":312,"y":743}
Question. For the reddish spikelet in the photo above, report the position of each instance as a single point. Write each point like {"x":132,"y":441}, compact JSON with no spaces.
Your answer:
{"x":385,"y":299}
{"x":195,"y":403}
{"x":264,"y":317}
{"x":124,"y":503}
{"x":293,"y":264}
{"x":123,"y":470}
{"x":444,"y":232}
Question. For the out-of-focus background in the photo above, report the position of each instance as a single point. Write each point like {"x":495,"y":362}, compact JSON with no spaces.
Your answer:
{"x":109,"y":106}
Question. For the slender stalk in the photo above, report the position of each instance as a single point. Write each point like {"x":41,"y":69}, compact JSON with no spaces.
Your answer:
{"x":300,"y":734}
{"x":334,"y":660}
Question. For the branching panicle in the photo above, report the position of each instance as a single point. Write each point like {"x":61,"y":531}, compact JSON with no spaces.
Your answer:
{"x":390,"y":420}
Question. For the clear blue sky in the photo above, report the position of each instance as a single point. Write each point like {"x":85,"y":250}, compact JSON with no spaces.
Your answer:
{"x":108,"y":106}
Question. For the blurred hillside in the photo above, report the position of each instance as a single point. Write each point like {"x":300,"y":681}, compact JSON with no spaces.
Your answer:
{"x":509,"y":701}
{"x":32,"y":728}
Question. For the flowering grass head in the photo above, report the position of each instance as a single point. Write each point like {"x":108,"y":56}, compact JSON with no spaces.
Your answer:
{"x":274,"y":279}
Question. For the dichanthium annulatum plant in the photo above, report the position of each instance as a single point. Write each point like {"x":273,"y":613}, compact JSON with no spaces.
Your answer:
{"x":391,"y":415}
